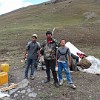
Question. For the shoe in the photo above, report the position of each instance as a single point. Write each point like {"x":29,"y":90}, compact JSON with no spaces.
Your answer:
{"x":46,"y":81}
{"x":73,"y":86}
{"x":56,"y":85}
{"x":25,"y":77}
{"x":32,"y":77}
{"x":61,"y":82}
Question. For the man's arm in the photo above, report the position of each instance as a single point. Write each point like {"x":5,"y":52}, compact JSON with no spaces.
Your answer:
{"x":25,"y":54}
{"x":69,"y":58}
{"x":27,"y":48}
{"x":38,"y":54}
{"x":38,"y":51}
{"x":56,"y":60}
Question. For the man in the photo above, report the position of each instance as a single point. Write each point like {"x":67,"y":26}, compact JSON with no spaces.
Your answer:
{"x":64,"y":61}
{"x":49,"y":52}
{"x":74,"y":61}
{"x":33,"y":54}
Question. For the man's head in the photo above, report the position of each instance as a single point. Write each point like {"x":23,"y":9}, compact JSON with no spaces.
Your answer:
{"x":62,"y":42}
{"x":34,"y":37}
{"x":49,"y":34}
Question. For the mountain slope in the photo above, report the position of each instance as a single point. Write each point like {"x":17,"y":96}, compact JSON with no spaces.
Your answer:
{"x":77,"y":21}
{"x":59,"y":14}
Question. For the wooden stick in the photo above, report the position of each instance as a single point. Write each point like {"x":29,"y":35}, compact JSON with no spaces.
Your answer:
{"x":8,"y":88}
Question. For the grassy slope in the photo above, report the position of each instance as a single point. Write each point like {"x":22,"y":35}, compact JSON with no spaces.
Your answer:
{"x":17,"y":27}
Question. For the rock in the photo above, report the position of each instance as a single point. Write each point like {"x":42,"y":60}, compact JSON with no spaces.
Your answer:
{"x":15,"y":95}
{"x":24,"y":83}
{"x":18,"y":91}
{"x":89,"y":15}
{"x":29,"y":90}
{"x":23,"y":91}
{"x":32,"y":95}
{"x":23,"y":97}
{"x":6,"y":98}
{"x":97,"y":22}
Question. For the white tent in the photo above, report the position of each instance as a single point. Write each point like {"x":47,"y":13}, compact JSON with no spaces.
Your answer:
{"x":94,"y":68}
{"x":73,"y":49}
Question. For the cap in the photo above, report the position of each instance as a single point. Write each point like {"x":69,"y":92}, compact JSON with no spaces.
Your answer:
{"x":34,"y":35}
{"x":48,"y":32}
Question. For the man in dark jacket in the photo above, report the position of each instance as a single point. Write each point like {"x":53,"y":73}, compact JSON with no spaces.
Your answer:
{"x":49,"y":47}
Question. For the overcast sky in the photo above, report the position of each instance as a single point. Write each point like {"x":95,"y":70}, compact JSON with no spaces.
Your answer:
{"x":10,"y":5}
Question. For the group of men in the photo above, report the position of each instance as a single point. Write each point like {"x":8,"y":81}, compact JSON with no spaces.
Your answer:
{"x":55,"y":55}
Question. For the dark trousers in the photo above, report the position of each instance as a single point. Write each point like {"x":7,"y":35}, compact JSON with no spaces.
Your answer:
{"x":50,"y":64}
{"x":74,"y":61}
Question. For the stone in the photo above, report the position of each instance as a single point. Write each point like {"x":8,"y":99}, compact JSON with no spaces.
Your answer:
{"x":23,"y":91}
{"x":32,"y":95}
{"x":15,"y":95}
{"x":29,"y":90}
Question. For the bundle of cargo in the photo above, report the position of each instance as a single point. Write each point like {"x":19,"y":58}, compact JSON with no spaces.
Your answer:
{"x":84,"y":63}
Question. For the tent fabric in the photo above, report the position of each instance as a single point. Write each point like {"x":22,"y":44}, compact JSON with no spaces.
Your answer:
{"x":95,"y":67}
{"x":95,"y":63}
{"x":73,"y":49}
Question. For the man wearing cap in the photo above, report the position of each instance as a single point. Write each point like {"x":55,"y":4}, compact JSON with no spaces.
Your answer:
{"x":33,"y":54}
{"x":49,"y":48}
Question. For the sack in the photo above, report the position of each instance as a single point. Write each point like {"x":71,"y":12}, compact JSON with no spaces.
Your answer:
{"x":84,"y":63}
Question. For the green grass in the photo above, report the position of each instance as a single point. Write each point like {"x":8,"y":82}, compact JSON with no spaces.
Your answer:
{"x":17,"y":27}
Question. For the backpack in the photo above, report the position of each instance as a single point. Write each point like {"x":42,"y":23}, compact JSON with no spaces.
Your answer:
{"x":63,"y":53}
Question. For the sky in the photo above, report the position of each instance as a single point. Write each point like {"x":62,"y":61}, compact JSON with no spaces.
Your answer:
{"x":10,"y":5}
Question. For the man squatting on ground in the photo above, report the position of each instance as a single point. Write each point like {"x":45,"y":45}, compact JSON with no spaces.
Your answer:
{"x":49,"y":48}
{"x":33,"y":54}
{"x":63,"y":61}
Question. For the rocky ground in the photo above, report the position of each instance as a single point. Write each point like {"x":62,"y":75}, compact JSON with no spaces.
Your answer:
{"x":77,"y":22}
{"x":88,"y":87}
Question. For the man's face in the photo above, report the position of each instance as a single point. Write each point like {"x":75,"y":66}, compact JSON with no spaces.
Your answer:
{"x":62,"y":42}
{"x":33,"y":39}
{"x":49,"y":36}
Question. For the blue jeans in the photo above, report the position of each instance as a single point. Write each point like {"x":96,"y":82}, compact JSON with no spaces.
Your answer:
{"x":61,"y":66}
{"x":30,"y":64}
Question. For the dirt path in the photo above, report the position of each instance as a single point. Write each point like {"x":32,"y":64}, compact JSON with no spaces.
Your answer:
{"x":88,"y":86}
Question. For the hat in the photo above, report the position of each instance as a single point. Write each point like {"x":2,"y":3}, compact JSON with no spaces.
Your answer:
{"x":48,"y":32}
{"x":34,"y":35}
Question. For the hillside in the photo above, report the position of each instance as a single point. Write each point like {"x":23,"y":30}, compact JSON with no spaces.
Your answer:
{"x":77,"y":21}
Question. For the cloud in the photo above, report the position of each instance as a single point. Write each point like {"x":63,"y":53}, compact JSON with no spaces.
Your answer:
{"x":10,"y":5}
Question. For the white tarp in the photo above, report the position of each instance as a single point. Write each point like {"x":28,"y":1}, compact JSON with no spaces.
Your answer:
{"x":3,"y":95}
{"x":94,"y":68}
{"x":73,"y":49}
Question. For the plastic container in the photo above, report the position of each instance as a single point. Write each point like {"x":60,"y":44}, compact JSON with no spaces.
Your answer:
{"x":4,"y":67}
{"x":3,"y":78}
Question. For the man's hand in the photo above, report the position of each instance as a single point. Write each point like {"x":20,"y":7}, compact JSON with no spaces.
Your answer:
{"x":38,"y":58}
{"x":69,"y":64}
{"x":56,"y":68}
{"x":25,"y":55}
